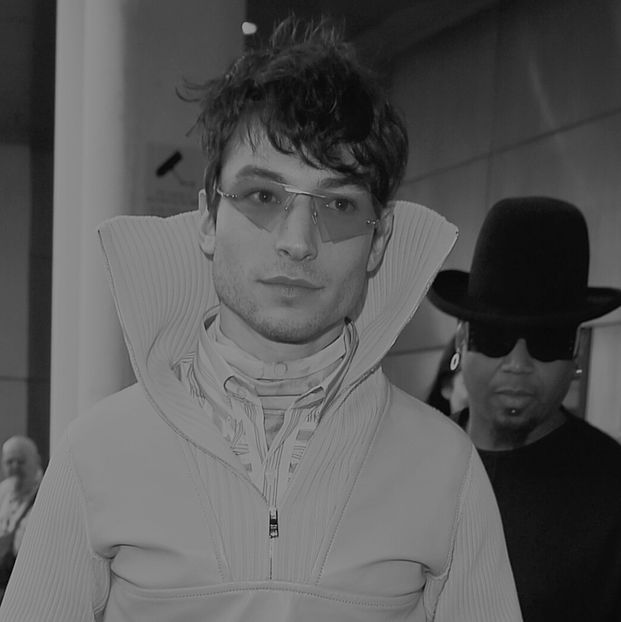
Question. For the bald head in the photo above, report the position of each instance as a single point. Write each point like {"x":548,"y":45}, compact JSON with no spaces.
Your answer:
{"x":21,"y":461}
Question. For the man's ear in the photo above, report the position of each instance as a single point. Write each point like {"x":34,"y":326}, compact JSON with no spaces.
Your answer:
{"x":381,"y":236}
{"x":207,"y":225}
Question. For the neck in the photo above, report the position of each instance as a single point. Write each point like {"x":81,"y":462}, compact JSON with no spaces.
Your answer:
{"x":489,"y":435}
{"x":273,"y":351}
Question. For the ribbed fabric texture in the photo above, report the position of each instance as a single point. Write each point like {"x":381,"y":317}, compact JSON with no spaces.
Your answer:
{"x":240,"y":518}
{"x":323,"y":486}
{"x":313,"y":500}
{"x":418,"y":246}
{"x":159,"y":267}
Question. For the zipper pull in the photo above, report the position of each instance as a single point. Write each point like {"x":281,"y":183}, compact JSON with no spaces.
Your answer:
{"x":273,"y":524}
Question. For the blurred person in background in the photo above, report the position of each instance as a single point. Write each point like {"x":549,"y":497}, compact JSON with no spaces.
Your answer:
{"x":556,"y":477}
{"x":21,"y":467}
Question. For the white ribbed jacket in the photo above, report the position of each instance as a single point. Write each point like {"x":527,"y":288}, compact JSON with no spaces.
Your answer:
{"x":146,"y":515}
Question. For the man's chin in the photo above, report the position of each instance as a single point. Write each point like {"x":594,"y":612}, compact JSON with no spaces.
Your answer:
{"x":292,"y":328}
{"x":289,"y":334}
{"x":515,"y":425}
{"x":514,"y":418}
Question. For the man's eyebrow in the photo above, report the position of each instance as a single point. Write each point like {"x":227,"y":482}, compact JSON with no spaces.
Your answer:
{"x":257,"y":171}
{"x":341,"y":181}
{"x":328,"y":183}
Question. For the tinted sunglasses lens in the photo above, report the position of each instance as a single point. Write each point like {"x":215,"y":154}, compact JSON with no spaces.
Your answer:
{"x":493,"y":341}
{"x":546,"y":344}
{"x":552,"y":344}
{"x":336,"y":225}
{"x":339,"y":227}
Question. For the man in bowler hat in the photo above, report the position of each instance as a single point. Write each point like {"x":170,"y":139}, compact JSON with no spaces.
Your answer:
{"x":557,"y":478}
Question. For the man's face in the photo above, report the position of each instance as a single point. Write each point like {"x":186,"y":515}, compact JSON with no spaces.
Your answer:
{"x":285,"y":292}
{"x":18,"y":463}
{"x":515,"y":396}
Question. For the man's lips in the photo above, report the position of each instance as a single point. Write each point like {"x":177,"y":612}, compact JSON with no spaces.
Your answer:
{"x":286,"y":281}
{"x":514,"y":398}
{"x":514,"y":391}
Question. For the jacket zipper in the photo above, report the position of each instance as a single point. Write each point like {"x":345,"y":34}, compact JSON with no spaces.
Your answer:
{"x":273,"y":534}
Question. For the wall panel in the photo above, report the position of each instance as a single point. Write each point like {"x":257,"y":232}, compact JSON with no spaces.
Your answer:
{"x":558,"y":64}
{"x":15,"y":203}
{"x":444,"y":89}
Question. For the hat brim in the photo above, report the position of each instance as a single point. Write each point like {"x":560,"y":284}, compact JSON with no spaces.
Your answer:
{"x":449,"y":293}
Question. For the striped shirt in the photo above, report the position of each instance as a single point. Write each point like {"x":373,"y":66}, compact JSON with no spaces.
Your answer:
{"x":268,"y":411}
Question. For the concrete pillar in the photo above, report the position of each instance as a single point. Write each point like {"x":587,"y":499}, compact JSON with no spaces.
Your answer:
{"x":117,"y":66}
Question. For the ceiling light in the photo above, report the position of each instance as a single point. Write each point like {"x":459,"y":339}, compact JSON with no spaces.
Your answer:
{"x":248,"y":28}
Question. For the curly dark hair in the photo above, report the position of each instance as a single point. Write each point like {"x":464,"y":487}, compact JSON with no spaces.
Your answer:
{"x":305,"y":92}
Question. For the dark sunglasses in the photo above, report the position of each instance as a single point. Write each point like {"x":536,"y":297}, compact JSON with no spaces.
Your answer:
{"x":544,"y":344}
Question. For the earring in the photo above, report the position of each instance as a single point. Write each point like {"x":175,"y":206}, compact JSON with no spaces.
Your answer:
{"x":455,"y":360}
{"x":577,"y":373}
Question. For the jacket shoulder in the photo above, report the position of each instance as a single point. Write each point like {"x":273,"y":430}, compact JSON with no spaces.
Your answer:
{"x":425,"y":435}
{"x":414,"y":414}
{"x":127,"y":414}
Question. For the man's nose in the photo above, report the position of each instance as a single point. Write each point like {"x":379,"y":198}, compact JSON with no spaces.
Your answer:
{"x":297,"y":232}
{"x":519,"y":359}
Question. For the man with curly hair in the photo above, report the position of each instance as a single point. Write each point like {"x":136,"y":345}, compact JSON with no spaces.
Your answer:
{"x":263,"y":468}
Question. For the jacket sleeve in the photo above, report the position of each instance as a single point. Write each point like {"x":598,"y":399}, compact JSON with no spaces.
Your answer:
{"x":57,"y":577}
{"x":477,"y":585}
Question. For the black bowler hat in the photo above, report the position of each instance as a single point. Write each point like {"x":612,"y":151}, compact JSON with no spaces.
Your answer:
{"x":530,"y":268}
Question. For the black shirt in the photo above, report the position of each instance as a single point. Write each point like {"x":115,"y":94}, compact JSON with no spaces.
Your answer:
{"x":560,"y":502}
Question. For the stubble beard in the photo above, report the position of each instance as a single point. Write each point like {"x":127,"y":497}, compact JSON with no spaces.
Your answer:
{"x":288,"y":330}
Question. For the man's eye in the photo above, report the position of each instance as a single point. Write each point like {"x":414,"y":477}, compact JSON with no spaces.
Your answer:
{"x":262,"y":197}
{"x":341,"y":204}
